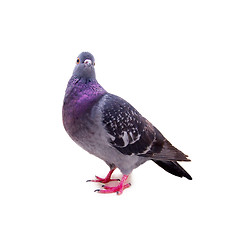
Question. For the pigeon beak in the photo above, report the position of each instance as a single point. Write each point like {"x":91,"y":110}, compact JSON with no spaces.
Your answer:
{"x":88,"y":62}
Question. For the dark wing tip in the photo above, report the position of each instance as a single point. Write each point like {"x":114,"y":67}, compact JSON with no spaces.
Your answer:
{"x":189,"y":177}
{"x":173,"y":168}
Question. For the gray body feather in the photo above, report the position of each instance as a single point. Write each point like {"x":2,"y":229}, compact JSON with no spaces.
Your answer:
{"x":110,"y":128}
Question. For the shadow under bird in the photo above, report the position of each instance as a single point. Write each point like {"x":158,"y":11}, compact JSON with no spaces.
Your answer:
{"x":110,"y":128}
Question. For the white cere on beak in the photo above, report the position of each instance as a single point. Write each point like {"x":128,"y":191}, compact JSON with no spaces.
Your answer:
{"x":88,"y":62}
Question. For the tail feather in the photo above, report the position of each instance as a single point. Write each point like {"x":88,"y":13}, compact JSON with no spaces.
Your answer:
{"x":168,"y":157}
{"x":173,"y":168}
{"x":170,"y":153}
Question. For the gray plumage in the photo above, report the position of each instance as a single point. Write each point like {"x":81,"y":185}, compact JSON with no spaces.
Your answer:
{"x":110,"y":128}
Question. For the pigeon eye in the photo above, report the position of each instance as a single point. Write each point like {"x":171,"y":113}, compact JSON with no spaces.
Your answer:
{"x":78,"y":61}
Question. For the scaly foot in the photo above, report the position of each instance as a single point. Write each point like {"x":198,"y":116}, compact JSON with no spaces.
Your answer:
{"x":118,"y":189}
{"x":106,"y":179}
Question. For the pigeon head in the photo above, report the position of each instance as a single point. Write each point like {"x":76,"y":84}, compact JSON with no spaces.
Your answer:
{"x":84,"y":68}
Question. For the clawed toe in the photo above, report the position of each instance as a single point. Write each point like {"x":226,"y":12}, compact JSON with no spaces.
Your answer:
{"x":103,"y":180}
{"x":106,"y":179}
{"x":117,"y":189}
{"x":107,"y":189}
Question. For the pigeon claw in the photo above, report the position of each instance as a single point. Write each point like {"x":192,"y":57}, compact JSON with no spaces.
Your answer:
{"x":106,"y":179}
{"x":117,"y":189}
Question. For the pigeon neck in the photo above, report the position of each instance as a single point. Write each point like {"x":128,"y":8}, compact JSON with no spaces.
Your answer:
{"x":82,"y":87}
{"x":85,"y":80}
{"x":79,"y":99}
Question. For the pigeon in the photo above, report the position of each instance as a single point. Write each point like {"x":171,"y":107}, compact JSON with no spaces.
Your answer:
{"x":110,"y":128}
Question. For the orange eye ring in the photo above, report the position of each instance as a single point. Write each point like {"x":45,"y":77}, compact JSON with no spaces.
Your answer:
{"x":78,"y":61}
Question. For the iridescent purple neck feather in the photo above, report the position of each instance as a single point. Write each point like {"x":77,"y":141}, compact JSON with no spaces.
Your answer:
{"x":81,"y":95}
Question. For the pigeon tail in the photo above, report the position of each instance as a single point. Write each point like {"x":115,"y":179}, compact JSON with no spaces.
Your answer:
{"x":173,"y":168}
{"x":170,"y":153}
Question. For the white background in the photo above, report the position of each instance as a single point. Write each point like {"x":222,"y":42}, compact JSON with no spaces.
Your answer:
{"x":177,"y":62}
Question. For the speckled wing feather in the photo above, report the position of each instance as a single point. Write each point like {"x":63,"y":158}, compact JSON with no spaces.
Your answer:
{"x":132,"y":134}
{"x":129,"y":132}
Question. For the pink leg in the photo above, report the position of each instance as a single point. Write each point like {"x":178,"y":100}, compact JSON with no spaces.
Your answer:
{"x":118,"y":189}
{"x":106,"y":179}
